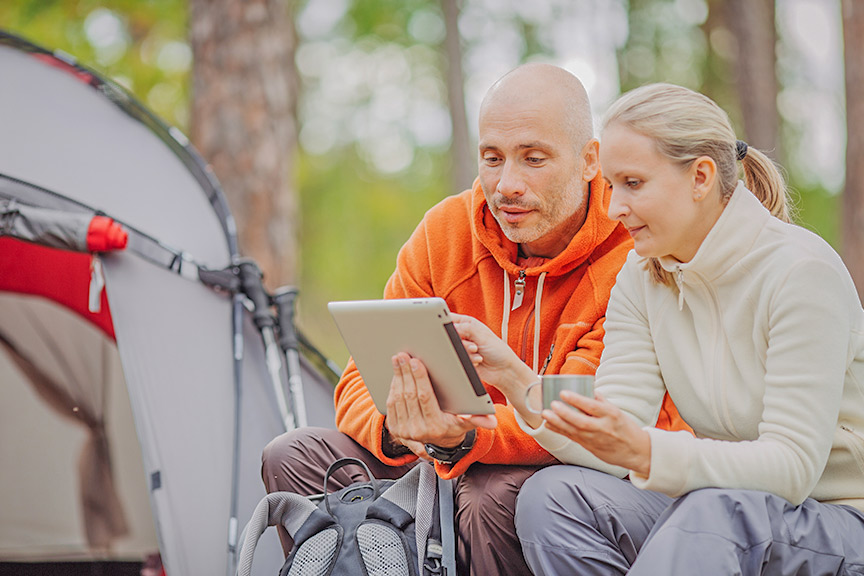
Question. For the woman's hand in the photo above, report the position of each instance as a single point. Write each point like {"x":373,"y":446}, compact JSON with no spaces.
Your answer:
{"x":602,"y":429}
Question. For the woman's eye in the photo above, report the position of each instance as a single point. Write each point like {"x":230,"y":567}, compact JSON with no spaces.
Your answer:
{"x":632,"y":183}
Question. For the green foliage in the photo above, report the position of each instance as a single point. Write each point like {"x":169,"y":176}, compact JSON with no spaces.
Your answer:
{"x":354,"y":223}
{"x":139,"y":43}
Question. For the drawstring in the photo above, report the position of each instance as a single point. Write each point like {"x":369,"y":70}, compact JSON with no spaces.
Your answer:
{"x":506,"y":316}
{"x":537,"y":321}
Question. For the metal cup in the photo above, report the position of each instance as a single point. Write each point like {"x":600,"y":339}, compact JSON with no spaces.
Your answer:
{"x":553,"y":384}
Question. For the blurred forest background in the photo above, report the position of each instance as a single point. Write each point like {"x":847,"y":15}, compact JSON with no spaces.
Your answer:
{"x":333,"y":125}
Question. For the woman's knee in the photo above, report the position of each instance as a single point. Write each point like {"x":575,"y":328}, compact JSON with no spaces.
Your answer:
{"x":554,"y":491}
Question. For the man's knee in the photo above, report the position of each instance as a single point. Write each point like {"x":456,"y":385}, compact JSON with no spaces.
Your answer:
{"x":292,"y":461}
{"x":487,"y":493}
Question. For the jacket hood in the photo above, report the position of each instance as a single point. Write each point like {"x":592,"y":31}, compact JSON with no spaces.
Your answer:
{"x":596,"y":229}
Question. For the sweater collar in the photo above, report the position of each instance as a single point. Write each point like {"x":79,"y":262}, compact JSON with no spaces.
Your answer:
{"x":596,"y":229}
{"x":731,"y":237}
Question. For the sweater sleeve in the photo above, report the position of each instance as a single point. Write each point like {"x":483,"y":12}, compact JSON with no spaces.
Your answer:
{"x":807,"y":355}
{"x":628,"y":375}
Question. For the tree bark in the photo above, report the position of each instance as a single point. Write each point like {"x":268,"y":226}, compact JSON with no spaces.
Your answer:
{"x":752,"y":24}
{"x":853,"y":194}
{"x":243,"y":122}
{"x":463,"y":163}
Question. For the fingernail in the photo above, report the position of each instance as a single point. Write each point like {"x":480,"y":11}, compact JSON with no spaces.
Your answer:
{"x":401,"y":360}
{"x":415,"y":365}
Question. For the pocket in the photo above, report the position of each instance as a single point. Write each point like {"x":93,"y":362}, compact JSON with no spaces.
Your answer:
{"x":854,"y":441}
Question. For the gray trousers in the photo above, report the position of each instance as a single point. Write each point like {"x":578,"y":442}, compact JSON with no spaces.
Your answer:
{"x":573,"y":520}
{"x":485,"y":496}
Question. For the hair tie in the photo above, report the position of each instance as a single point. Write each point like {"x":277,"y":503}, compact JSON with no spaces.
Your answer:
{"x":740,"y":149}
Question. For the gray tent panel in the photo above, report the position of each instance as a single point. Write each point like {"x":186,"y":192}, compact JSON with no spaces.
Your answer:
{"x":61,"y":134}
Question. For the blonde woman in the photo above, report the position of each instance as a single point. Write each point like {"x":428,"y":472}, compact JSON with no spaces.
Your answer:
{"x":754,"y":328}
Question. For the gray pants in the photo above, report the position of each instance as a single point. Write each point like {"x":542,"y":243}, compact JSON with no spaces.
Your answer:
{"x":573,"y":520}
{"x":485,"y":496}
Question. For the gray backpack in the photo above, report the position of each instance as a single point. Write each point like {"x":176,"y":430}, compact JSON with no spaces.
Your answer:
{"x":398,"y":527}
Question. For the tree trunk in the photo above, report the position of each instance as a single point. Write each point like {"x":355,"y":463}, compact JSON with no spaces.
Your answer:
{"x":463,"y":163}
{"x":752,"y":24}
{"x":853,"y":194}
{"x":244,"y":122}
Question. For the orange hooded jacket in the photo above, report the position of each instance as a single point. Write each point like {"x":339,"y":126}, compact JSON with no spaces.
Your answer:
{"x":558,"y":325}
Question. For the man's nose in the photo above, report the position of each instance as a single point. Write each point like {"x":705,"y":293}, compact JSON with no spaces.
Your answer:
{"x":511,"y":182}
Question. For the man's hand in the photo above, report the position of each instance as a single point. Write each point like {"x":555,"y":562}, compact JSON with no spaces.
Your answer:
{"x":413,"y":413}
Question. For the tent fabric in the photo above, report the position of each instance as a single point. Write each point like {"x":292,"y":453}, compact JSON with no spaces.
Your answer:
{"x":159,"y":393}
{"x":43,"y":445}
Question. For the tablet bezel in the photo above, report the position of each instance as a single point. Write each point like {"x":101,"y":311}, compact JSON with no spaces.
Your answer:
{"x":376,"y":330}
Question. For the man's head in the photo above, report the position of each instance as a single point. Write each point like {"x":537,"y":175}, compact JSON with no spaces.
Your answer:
{"x":537,"y":156}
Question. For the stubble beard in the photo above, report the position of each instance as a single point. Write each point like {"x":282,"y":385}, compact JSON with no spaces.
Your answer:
{"x":549,"y":219}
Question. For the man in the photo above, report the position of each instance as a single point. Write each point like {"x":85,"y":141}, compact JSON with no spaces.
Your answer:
{"x":530,"y":252}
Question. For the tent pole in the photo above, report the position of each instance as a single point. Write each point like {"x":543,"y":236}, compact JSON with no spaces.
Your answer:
{"x":284,"y":300}
{"x":237,"y":325}
{"x":250,"y":281}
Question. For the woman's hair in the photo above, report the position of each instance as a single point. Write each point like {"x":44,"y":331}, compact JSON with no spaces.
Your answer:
{"x":686,"y":125}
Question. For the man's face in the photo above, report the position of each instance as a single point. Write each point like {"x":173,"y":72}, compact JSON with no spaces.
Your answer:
{"x":532,"y":175}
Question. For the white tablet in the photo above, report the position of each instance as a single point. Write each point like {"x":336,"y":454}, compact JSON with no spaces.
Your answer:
{"x":377,"y":330}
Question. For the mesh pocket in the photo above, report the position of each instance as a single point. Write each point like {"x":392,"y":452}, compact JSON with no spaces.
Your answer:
{"x":382,"y":550}
{"x":316,"y":555}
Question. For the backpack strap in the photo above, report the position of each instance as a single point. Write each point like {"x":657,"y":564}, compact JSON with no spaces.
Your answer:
{"x":448,"y":532}
{"x":285,"y":508}
{"x":341,"y":463}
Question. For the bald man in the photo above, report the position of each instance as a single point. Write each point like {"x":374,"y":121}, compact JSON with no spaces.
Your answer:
{"x":530,"y":252}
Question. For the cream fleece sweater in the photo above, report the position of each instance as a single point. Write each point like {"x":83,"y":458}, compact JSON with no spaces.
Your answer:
{"x":761,"y":347}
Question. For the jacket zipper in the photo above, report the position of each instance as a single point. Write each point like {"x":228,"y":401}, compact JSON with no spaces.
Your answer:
{"x":679,"y":281}
{"x":520,"y":290}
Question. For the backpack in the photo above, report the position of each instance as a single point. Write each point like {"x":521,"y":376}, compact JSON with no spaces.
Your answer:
{"x":398,"y":527}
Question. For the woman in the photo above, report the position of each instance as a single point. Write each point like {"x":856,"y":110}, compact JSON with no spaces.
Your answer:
{"x":754,"y":328}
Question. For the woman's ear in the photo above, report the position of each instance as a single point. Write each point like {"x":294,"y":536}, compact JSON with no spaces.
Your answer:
{"x":591,"y":159}
{"x":704,"y":172}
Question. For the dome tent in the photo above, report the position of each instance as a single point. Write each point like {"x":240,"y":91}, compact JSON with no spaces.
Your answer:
{"x":136,"y":397}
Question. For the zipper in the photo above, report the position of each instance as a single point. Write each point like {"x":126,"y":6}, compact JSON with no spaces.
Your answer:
{"x":520,"y":290}
{"x":679,"y":281}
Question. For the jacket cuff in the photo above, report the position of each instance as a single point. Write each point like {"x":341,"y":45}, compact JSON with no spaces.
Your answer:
{"x":550,"y":441}
{"x":378,"y":447}
{"x":482,"y":445}
{"x":670,"y":453}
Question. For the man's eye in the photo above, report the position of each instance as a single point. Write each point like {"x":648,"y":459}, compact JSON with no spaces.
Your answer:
{"x":491,"y":159}
{"x":534,"y":159}
{"x":632,"y":183}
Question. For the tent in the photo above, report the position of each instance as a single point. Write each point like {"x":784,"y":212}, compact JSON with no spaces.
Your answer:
{"x":137,"y":387}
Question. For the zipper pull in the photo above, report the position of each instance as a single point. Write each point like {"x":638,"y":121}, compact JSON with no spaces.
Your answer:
{"x":97,"y":283}
{"x":520,"y":290}
{"x":679,"y":280}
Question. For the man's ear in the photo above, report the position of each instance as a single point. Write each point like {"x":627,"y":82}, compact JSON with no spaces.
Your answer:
{"x":591,"y":158}
{"x":704,"y":172}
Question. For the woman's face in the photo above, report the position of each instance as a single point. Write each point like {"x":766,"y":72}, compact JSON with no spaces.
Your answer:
{"x":658,"y":201}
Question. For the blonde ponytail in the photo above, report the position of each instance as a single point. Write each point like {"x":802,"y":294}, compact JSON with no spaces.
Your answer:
{"x":764,"y":180}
